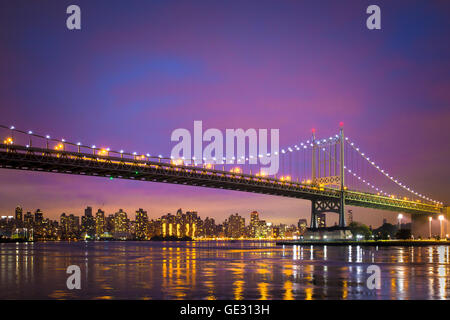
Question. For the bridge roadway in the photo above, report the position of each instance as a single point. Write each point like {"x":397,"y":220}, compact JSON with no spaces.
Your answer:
{"x":68,"y":162}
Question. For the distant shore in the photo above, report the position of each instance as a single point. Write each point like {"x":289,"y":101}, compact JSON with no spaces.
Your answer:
{"x":371,"y":243}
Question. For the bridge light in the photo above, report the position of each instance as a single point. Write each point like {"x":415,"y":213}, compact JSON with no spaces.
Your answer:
{"x":30,"y":132}
{"x":12,"y":127}
{"x":47,"y":136}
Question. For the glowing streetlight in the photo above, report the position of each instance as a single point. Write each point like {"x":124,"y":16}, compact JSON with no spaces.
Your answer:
{"x":441,"y":218}
{"x":400,"y":217}
{"x":430,"y":219}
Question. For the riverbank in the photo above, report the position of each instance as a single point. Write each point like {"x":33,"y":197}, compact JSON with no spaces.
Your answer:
{"x":372,"y":243}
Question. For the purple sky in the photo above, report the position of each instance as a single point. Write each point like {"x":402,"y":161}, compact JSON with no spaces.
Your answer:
{"x":140,"y":69}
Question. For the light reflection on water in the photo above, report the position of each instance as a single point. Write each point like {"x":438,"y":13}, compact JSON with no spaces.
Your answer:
{"x":220,"y":270}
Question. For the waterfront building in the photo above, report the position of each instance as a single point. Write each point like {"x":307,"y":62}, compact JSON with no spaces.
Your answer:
{"x":321,"y":220}
{"x":19,"y":216}
{"x":28,"y":220}
{"x":234,"y":226}
{"x":302,"y":225}
{"x":88,"y":224}
{"x":121,"y":226}
{"x":100,"y":223}
{"x":141,"y":227}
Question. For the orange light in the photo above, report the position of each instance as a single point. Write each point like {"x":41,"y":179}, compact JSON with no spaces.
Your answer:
{"x":59,"y":147}
{"x":177,"y":162}
{"x":8,"y":141}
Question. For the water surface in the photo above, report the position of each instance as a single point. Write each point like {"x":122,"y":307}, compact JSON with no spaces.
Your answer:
{"x":220,"y":270}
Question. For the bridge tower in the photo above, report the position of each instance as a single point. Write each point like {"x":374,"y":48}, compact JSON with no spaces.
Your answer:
{"x":332,"y":176}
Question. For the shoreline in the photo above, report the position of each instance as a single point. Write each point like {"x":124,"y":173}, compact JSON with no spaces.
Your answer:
{"x":367,"y":243}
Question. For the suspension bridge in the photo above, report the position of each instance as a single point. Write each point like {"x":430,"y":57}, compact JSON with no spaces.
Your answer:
{"x":330,"y":172}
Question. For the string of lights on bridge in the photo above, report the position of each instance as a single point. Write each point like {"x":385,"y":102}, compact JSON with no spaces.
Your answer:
{"x":372,"y":163}
{"x":298,"y":147}
{"x":382,"y":171}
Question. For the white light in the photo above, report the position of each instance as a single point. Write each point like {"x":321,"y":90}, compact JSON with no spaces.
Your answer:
{"x":30,"y":132}
{"x":47,"y":136}
{"x":12,"y":128}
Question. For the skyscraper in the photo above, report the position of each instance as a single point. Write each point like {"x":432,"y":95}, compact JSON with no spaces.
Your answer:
{"x":254,"y":224}
{"x":100,"y":223}
{"x":120,"y":225}
{"x":19,"y":215}
{"x":88,"y":223}
{"x":235,"y":226}
{"x":28,"y":220}
{"x":141,"y":224}
{"x":38,"y":217}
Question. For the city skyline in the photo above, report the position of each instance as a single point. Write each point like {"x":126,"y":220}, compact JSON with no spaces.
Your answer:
{"x":131,"y":84}
{"x":330,"y":218}
{"x":120,"y":225}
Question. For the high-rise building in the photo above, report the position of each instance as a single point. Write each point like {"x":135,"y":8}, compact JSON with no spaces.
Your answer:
{"x":19,"y":215}
{"x":100,"y":223}
{"x":168,"y":225}
{"x":38,"y":224}
{"x":28,"y":220}
{"x":194,"y":225}
{"x":141,"y":228}
{"x":88,"y":223}
{"x":254,"y":224}
{"x":109,"y":224}
{"x":121,"y":225}
{"x":302,"y":225}
{"x":38,"y":217}
{"x":63,"y":225}
{"x":321,"y":220}
{"x":234,"y":226}
{"x":210,"y":228}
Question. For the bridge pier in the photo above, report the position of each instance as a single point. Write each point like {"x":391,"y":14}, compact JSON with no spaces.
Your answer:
{"x":324,"y":206}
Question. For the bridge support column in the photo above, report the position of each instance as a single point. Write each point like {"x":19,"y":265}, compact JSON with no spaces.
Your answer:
{"x":342,"y":211}
{"x":313,"y":215}
{"x":328,"y":205}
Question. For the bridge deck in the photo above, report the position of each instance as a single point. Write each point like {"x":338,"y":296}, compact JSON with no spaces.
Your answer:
{"x":56,"y":161}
